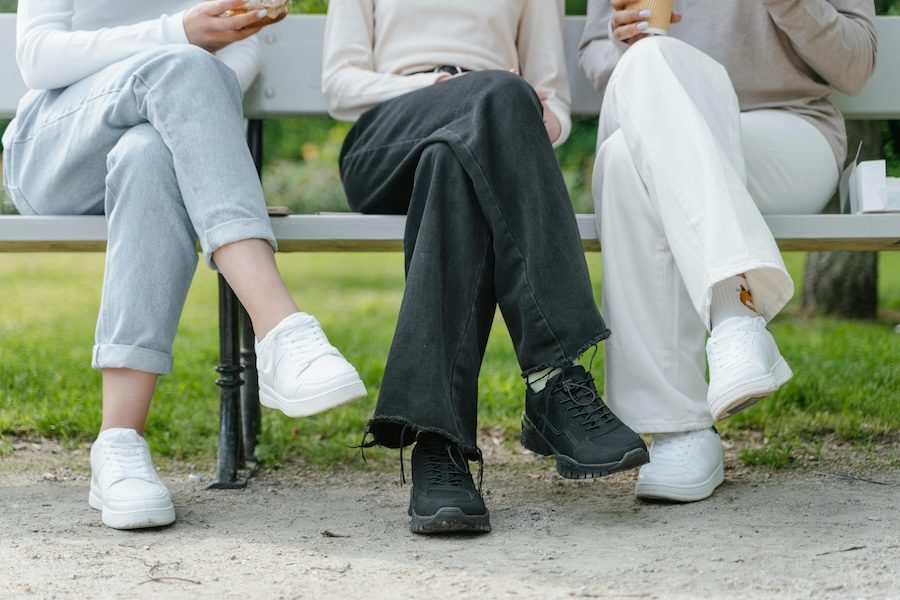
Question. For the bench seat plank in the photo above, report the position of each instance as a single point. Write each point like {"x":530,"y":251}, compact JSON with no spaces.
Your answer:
{"x":373,"y":233}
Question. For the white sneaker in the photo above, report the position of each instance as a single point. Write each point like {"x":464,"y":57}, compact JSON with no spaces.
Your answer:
{"x":300,"y":372}
{"x":684,"y":467}
{"x":124,"y":483}
{"x":744,"y":365}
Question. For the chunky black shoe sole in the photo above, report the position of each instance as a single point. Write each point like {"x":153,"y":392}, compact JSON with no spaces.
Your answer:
{"x":568,"y":467}
{"x":449,"y":519}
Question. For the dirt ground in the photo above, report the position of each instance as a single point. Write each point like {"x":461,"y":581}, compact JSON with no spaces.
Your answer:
{"x":296,"y":533}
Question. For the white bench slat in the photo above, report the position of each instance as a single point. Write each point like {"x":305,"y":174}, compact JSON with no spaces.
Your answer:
{"x":369,"y":233}
{"x":11,"y":86}
{"x":284,"y":90}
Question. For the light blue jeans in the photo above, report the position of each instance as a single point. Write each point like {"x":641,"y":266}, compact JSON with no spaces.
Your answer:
{"x":156,"y":143}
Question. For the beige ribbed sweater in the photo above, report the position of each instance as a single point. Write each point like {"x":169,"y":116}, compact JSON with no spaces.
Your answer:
{"x":782,"y":54}
{"x":371,"y":47}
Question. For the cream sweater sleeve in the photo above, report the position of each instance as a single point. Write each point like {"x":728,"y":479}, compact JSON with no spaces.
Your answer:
{"x":598,"y":53}
{"x":50,"y":55}
{"x":349,"y":80}
{"x":834,"y":37}
{"x":542,"y":58}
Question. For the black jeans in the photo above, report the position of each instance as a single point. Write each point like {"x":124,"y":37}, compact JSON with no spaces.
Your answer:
{"x":489,"y":222}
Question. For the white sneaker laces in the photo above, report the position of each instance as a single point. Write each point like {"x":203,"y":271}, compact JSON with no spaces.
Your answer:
{"x":307,"y":344}
{"x":673,"y":447}
{"x":128,"y":461}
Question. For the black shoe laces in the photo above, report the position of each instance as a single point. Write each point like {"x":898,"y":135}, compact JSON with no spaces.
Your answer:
{"x":583,"y":403}
{"x":442,"y":468}
{"x":445,"y":465}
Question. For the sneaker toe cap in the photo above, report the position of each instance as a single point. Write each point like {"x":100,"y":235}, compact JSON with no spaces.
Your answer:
{"x":326,"y":368}
{"x":322,"y":375}
{"x":611,"y":446}
{"x":428,"y":504}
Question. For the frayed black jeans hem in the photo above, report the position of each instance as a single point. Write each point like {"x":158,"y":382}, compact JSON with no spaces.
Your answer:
{"x":399,"y":432}
{"x":568,"y":360}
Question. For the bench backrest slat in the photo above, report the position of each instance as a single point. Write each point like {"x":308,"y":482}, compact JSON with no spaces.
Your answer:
{"x":284,"y":90}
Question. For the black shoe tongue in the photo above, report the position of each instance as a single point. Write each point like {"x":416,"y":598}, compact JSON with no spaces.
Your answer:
{"x":426,"y":439}
{"x":436,"y":443}
{"x":573,"y":372}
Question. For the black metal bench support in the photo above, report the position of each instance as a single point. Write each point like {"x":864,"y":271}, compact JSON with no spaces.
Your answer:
{"x":239,"y":413}
{"x":229,"y":458}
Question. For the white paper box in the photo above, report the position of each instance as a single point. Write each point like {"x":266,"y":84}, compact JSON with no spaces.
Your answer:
{"x":871,"y":191}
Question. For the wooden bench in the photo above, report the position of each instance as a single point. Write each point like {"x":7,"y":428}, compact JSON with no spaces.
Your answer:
{"x":283,"y":91}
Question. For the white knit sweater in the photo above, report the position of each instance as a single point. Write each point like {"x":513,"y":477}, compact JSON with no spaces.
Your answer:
{"x":372,"y":45}
{"x":60,"y":42}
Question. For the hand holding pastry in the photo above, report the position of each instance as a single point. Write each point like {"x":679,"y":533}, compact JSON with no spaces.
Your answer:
{"x":210,"y":26}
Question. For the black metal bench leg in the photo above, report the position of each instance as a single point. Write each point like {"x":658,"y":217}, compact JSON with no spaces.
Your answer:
{"x":230,"y":435}
{"x":250,"y":416}
{"x":239,"y":418}
{"x":250,"y":396}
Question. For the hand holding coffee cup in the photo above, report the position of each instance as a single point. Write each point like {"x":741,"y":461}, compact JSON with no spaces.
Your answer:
{"x":635,"y":19}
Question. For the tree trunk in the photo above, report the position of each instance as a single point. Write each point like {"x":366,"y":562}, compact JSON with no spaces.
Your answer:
{"x":845,"y":284}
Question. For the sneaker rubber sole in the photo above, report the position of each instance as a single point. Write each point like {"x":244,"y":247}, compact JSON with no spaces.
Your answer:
{"x":132,"y":519}
{"x":747,"y":393}
{"x":449,"y":519}
{"x":570,"y":468}
{"x":336,"y":392}
{"x":681,"y":493}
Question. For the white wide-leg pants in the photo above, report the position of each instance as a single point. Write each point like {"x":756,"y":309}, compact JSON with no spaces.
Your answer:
{"x":681,"y":180}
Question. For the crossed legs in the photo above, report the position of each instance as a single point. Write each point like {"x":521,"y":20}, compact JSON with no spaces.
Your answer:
{"x":678,"y":185}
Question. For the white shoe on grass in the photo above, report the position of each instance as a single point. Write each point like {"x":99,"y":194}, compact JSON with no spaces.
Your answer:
{"x":684,"y":467}
{"x":744,"y":365}
{"x":300,"y":372}
{"x":125,"y":485}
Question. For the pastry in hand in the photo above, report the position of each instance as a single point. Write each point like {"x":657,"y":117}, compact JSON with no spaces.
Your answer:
{"x":276,"y":9}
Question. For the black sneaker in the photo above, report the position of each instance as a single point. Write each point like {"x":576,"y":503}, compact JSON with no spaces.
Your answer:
{"x":569,"y":420}
{"x":443,"y":497}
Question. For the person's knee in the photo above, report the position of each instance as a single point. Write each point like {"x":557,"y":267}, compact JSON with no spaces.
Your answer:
{"x":650,"y":50}
{"x":649,"y":58}
{"x":140,"y":146}
{"x":190,"y":68}
{"x":140,"y":155}
{"x":188,"y":56}
{"x":437,"y":156}
{"x":142,"y":191}
{"x":505,"y":89}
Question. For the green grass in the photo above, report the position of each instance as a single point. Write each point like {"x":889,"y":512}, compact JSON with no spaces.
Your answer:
{"x":846,"y":386}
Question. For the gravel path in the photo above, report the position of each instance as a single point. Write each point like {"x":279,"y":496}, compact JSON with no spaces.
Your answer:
{"x":297,"y":534}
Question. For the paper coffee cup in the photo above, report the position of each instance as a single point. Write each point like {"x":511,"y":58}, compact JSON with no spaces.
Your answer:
{"x":660,"y":14}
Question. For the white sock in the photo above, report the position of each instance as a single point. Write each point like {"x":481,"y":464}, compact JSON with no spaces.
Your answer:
{"x":731,"y":298}
{"x":537,"y":381}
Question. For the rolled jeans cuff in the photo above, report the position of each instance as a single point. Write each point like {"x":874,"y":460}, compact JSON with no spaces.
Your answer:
{"x":119,"y":356}
{"x":236,"y":231}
